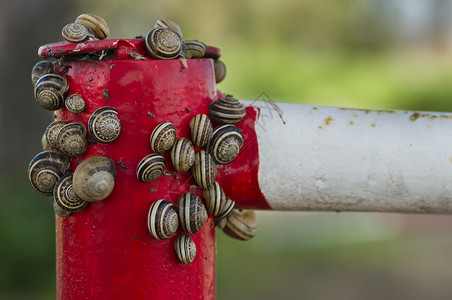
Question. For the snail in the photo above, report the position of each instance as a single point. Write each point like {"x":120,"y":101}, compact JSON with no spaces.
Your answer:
{"x":162,"y":219}
{"x":220,"y":70}
{"x":71,"y":139}
{"x":75,"y":103}
{"x":225,"y":144}
{"x":150,"y":167}
{"x":201,"y":130}
{"x":74,"y":33}
{"x":40,"y":69}
{"x":221,"y":218}
{"x":51,"y":133}
{"x":215,"y":198}
{"x":192,"y":213}
{"x":242,"y":224}
{"x":45,"y":145}
{"x":168,"y":24}
{"x":49,"y":90}
{"x":95,"y":23}
{"x":104,"y":125}
{"x":185,"y":248}
{"x":164,"y":43}
{"x":182,"y":155}
{"x":204,"y":169}
{"x":65,"y":197}
{"x":162,"y":137}
{"x":94,"y":178}
{"x":194,"y":49}
{"x":45,"y":169}
{"x":60,"y":211}
{"x":226,"y":110}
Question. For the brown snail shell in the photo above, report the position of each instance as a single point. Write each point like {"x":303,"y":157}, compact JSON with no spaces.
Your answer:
{"x":65,"y":196}
{"x":94,"y":178}
{"x":225,"y":144}
{"x":182,"y":155}
{"x":74,"y":33}
{"x":215,"y":198}
{"x":242,"y":224}
{"x":162,"y":137}
{"x":40,"y":69}
{"x":75,"y":103}
{"x":201,"y":130}
{"x":104,"y":125}
{"x":168,"y":24}
{"x":192,"y":212}
{"x":45,"y":169}
{"x":185,"y":248}
{"x":52,"y":133}
{"x":61,"y":211}
{"x":150,"y":167}
{"x":71,"y":139}
{"x":164,"y":43}
{"x":97,"y":25}
{"x":221,"y":218}
{"x":45,"y":145}
{"x":49,"y":90}
{"x":220,"y":70}
{"x":194,"y":49}
{"x":204,"y":169}
{"x":162,"y":219}
{"x":226,"y":110}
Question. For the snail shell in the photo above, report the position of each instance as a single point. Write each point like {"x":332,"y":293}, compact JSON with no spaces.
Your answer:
{"x":45,"y":145}
{"x":215,"y":198}
{"x":40,"y":69}
{"x":52,"y":133}
{"x":60,"y":211}
{"x":192,"y":212}
{"x":45,"y":169}
{"x":94,"y":178}
{"x":204,"y":169}
{"x":168,"y":24}
{"x":74,"y":33}
{"x":104,"y":125}
{"x":242,"y":224}
{"x":221,"y":218}
{"x":182,"y":155}
{"x":97,"y":25}
{"x":49,"y":90}
{"x":71,"y":139}
{"x":185,"y":248}
{"x":220,"y":70}
{"x":162,"y":219}
{"x":162,"y":137}
{"x":201,"y":130}
{"x":226,"y":110}
{"x":65,"y":196}
{"x":164,"y":43}
{"x":150,"y":167}
{"x":225,"y":144}
{"x":194,"y":49}
{"x":75,"y":103}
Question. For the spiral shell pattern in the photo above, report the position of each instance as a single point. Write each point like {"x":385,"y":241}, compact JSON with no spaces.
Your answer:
{"x":74,"y":33}
{"x":49,"y":90}
{"x":75,"y":103}
{"x":204,"y":169}
{"x":185,"y":248}
{"x":215,"y":198}
{"x":51,"y":133}
{"x":182,"y":155}
{"x":194,"y":49}
{"x":97,"y":25}
{"x":40,"y":69}
{"x":168,"y":24}
{"x":65,"y":196}
{"x":192,"y":212}
{"x":164,"y":43}
{"x":150,"y":167}
{"x":162,"y":219}
{"x":220,"y":219}
{"x":201,"y":130}
{"x":226,"y":110}
{"x":220,"y":70}
{"x":71,"y":139}
{"x":242,"y":224}
{"x":225,"y":144}
{"x":104,"y":125}
{"x":162,"y":137}
{"x":61,"y":211}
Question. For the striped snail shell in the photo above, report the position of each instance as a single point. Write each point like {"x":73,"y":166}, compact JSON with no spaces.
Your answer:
{"x":164,"y":43}
{"x":194,"y":49}
{"x":97,"y":25}
{"x":168,"y":24}
{"x":150,"y":167}
{"x":162,"y":219}
{"x":104,"y":125}
{"x":52,"y":133}
{"x":242,"y":224}
{"x":65,"y":196}
{"x":220,"y":70}
{"x":226,"y":110}
{"x":215,"y":198}
{"x":192,"y":212}
{"x":182,"y":155}
{"x":71,"y":139}
{"x":204,"y":169}
{"x":61,"y":211}
{"x":94,"y":178}
{"x":222,"y":217}
{"x":185,"y":248}
{"x":49,"y":90}
{"x":162,"y":137}
{"x":45,"y":169}
{"x":225,"y":144}
{"x":74,"y":33}
{"x":45,"y":145}
{"x":201,"y":130}
{"x":40,"y":69}
{"x":75,"y":103}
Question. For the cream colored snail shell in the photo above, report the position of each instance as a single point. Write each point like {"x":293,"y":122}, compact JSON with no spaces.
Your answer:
{"x":94,"y":178}
{"x":75,"y":103}
{"x":95,"y":23}
{"x":220,"y":70}
{"x":221,"y":218}
{"x":162,"y":219}
{"x":242,"y":224}
{"x":65,"y":196}
{"x":192,"y":212}
{"x":185,"y":248}
{"x":194,"y":49}
{"x":162,"y":137}
{"x":168,"y":24}
{"x":164,"y":43}
{"x":104,"y":125}
{"x":49,"y":91}
{"x":61,"y":211}
{"x":225,"y":144}
{"x":45,"y":169}
{"x":71,"y":139}
{"x":214,"y":198}
{"x":201,"y":130}
{"x":204,"y":169}
{"x":182,"y":155}
{"x":40,"y":69}
{"x":150,"y":167}
{"x":226,"y":110}
{"x":52,"y":133}
{"x":74,"y":33}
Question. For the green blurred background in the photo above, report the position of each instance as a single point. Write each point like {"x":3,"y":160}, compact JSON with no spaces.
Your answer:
{"x":377,"y":54}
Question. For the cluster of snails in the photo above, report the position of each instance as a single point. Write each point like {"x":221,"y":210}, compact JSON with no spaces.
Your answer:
{"x":86,"y":27}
